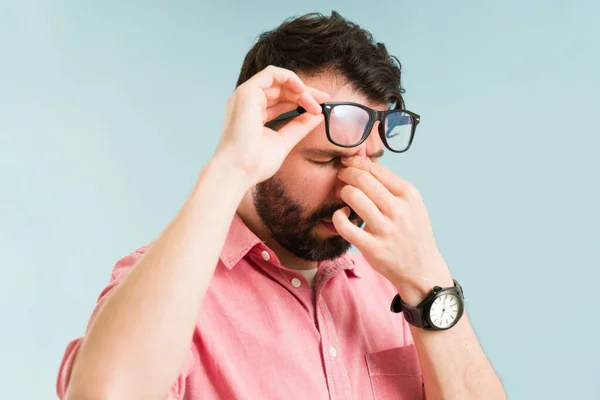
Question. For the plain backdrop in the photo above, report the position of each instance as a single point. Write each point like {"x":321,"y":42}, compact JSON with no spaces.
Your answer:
{"x":109,"y":109}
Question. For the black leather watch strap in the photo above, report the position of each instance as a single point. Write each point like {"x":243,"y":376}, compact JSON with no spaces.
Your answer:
{"x":414,"y":315}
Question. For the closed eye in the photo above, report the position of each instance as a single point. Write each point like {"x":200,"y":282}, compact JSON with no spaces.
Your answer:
{"x":331,"y":161}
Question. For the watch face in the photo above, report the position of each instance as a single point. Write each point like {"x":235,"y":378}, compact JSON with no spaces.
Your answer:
{"x":444,"y":310}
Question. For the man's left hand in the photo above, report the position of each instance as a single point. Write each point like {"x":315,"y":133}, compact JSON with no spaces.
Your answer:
{"x":397,"y":240}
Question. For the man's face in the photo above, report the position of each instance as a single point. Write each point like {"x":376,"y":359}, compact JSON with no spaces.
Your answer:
{"x":297,"y":203}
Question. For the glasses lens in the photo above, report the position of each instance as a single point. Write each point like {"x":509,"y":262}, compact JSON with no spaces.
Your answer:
{"x":347,"y":124}
{"x":398,"y":129}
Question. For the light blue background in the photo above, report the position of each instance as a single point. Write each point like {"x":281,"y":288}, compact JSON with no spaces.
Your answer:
{"x":108,"y":110}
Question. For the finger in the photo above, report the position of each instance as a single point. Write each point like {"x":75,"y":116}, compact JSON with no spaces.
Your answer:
{"x":275,"y":76}
{"x":364,"y":207}
{"x":395,"y":184}
{"x":305,"y":99}
{"x":369,"y":185}
{"x":309,"y":103}
{"x":318,"y":95}
{"x":299,"y":127}
{"x":276,"y":94}
{"x":271,"y":76}
{"x":349,"y":231}
{"x":274,"y":111}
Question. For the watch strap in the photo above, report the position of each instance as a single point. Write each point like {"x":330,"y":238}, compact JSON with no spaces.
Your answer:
{"x":414,"y":315}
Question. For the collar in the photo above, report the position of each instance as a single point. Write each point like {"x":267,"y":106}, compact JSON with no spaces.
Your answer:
{"x":241,"y":240}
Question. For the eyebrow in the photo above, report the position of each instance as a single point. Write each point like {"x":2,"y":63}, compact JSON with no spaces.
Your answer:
{"x":341,"y":154}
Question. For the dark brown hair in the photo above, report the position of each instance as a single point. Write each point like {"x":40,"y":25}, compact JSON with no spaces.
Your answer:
{"x":313,"y":43}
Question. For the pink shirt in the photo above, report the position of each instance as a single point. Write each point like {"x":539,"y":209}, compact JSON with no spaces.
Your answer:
{"x":264,"y":333}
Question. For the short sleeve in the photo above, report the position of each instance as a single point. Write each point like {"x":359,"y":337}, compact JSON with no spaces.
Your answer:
{"x":119,"y":272}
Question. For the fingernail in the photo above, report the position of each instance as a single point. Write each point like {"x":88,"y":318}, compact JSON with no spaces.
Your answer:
{"x":347,"y":159}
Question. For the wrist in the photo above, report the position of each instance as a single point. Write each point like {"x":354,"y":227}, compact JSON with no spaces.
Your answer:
{"x":220,"y":184}
{"x":413,"y":290}
{"x":240,"y":164}
{"x":223,"y":168}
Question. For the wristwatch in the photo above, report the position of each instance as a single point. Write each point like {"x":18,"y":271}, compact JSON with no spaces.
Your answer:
{"x":440,"y":310}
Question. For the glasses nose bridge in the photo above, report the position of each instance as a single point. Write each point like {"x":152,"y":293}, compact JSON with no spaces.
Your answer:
{"x":377,"y":116}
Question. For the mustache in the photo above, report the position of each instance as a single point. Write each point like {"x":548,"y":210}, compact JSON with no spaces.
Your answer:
{"x":327,"y":212}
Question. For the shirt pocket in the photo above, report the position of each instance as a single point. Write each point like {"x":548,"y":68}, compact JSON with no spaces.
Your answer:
{"x":395,"y":374}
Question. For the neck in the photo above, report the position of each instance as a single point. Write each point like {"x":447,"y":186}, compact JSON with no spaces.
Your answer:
{"x":249,"y":215}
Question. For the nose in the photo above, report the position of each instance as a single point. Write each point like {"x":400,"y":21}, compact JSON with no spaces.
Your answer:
{"x":362,"y":149}
{"x":370,"y":145}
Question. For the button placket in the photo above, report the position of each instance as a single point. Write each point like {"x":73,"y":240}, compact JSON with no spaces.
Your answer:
{"x":266,"y":260}
{"x":332,"y":351}
{"x":335,"y":369}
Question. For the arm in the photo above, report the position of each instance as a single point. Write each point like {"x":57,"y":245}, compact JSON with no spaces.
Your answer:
{"x":398,"y":242}
{"x":453,"y":363}
{"x":165,"y":288}
{"x":138,"y":340}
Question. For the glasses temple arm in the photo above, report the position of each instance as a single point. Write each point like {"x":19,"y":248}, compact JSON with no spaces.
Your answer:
{"x":290,"y":114}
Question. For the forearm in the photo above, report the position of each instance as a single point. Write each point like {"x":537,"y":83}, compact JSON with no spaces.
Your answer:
{"x":136,"y":345}
{"x":454,"y":365}
{"x":452,"y":361}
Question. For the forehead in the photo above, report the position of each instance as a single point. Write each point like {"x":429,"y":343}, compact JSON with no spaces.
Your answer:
{"x":340,"y":90}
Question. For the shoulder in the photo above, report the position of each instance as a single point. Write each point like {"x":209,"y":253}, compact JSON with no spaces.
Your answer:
{"x":126,"y":263}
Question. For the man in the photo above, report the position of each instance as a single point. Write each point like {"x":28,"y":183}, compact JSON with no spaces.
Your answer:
{"x":251,"y":293}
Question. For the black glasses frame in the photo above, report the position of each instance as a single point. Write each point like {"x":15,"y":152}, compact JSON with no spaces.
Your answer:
{"x":374,"y":115}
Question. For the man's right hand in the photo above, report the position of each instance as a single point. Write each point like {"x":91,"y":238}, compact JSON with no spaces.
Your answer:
{"x":246,"y":144}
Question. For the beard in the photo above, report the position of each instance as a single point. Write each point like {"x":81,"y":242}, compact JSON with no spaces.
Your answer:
{"x":292,"y":226}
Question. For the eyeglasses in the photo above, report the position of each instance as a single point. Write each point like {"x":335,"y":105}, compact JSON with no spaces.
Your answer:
{"x":349,"y":124}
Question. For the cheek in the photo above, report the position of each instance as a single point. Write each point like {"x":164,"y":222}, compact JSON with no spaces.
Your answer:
{"x":312,"y":185}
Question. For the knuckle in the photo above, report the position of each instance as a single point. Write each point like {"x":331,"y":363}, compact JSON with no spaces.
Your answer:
{"x":271,"y":68}
{"x":388,"y":204}
{"x":405,"y":187}
{"x":362,"y":178}
{"x":348,"y":192}
{"x":240,"y":89}
{"x":412,"y":192}
{"x":344,"y":191}
{"x":397,"y":213}
{"x":244,"y":89}
{"x":243,"y":92}
{"x":386,"y":229}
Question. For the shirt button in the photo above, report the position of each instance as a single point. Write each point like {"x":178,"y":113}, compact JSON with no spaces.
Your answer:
{"x":296,"y":282}
{"x":266,"y":255}
{"x":332,"y":352}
